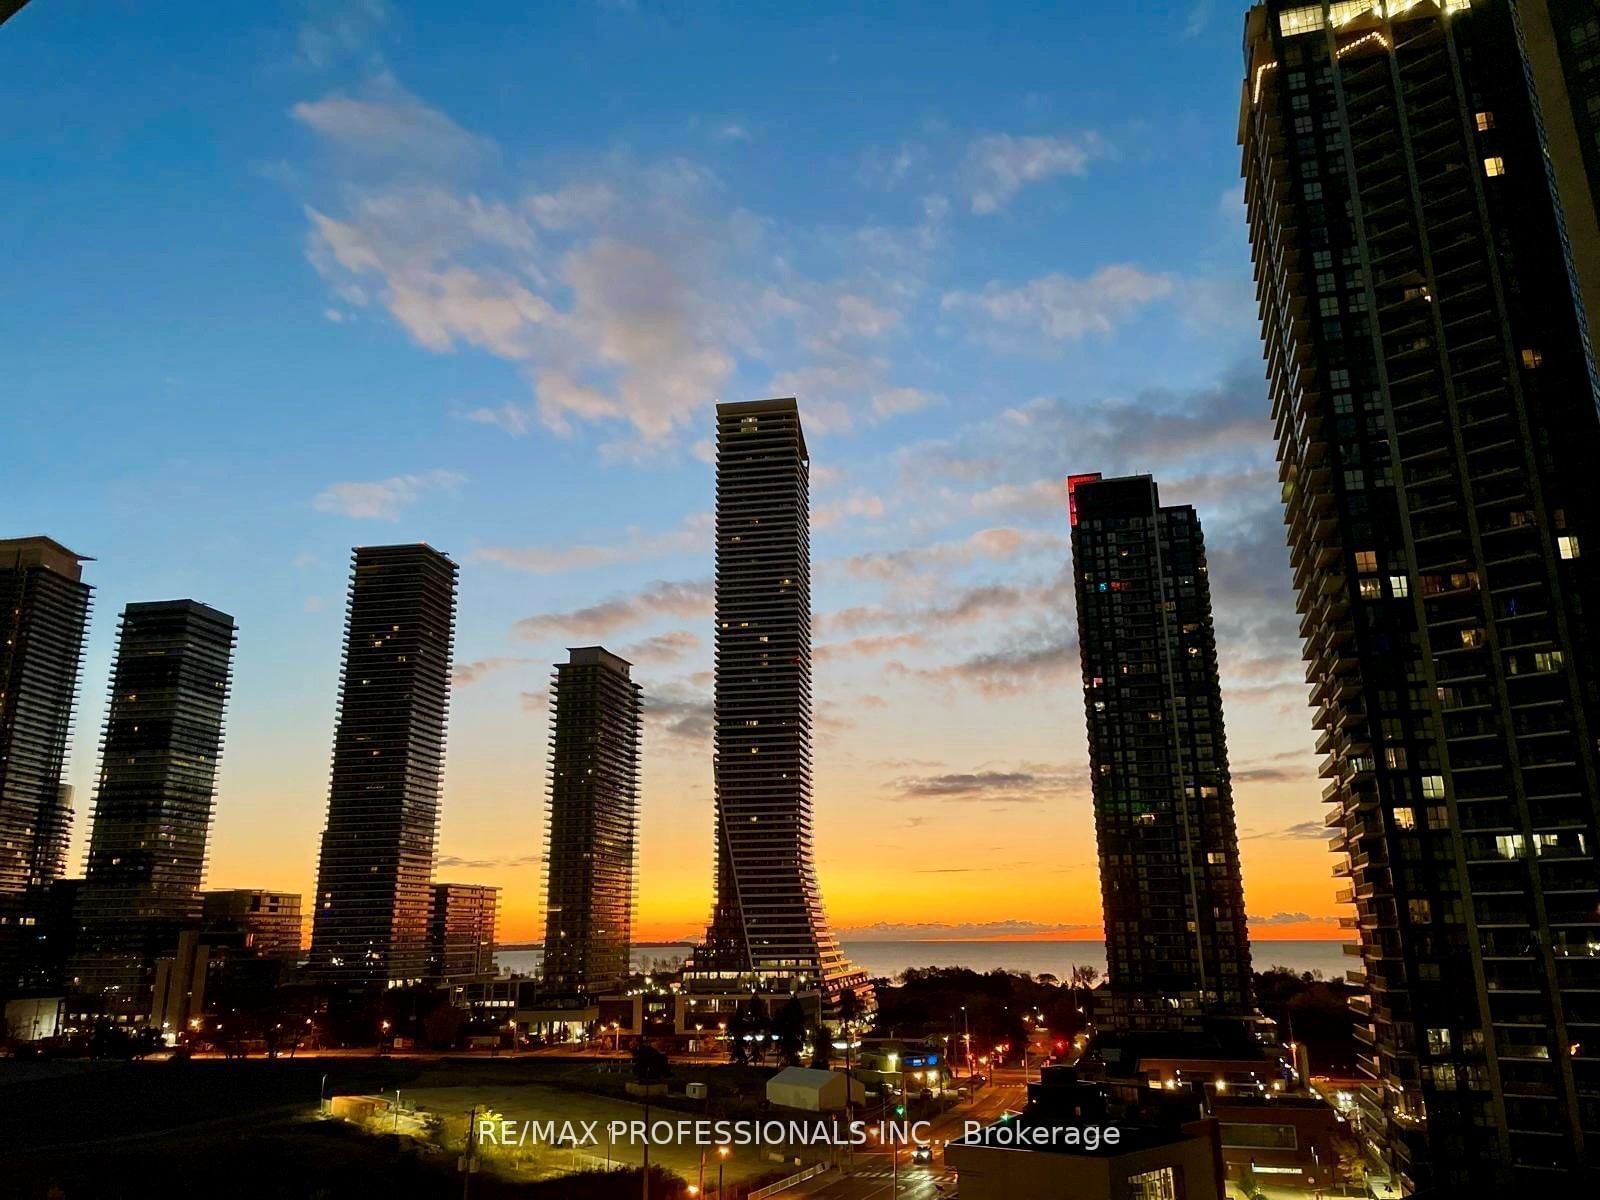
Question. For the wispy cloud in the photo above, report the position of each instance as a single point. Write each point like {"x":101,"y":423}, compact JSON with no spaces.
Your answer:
{"x":997,"y":545}
{"x":1061,"y":307}
{"x":1290,"y":918}
{"x":468,"y":673}
{"x":1029,"y":662}
{"x":693,"y":536}
{"x":337,"y":29}
{"x":681,"y":712}
{"x":455,"y":862}
{"x":871,"y":646}
{"x":386,"y":121}
{"x":997,"y":167}
{"x":383,"y":499}
{"x":988,"y":786}
{"x":659,"y":599}
{"x":662,"y":649}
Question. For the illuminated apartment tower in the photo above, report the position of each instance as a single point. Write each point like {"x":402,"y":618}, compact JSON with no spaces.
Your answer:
{"x":375,"y":877}
{"x":152,"y":810}
{"x":1421,"y":208}
{"x":1177,"y":950}
{"x":594,"y":816}
{"x":767,"y":920}
{"x":44,"y":608}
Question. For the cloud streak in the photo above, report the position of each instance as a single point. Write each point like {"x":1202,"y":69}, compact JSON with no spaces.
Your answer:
{"x":685,"y":600}
{"x":383,"y":499}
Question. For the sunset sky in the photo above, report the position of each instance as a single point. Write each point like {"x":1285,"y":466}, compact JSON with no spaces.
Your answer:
{"x":284,"y":278}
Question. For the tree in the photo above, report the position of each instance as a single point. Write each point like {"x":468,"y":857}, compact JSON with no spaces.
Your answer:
{"x":1083,"y":978}
{"x":741,"y":1026}
{"x":821,"y":1048}
{"x":649,"y":1064}
{"x":789,"y":1031}
{"x":849,"y":1010}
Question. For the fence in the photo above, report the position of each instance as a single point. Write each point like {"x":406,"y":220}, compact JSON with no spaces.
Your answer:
{"x":783,"y":1185}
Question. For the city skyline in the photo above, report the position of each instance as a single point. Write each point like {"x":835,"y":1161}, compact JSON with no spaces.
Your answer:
{"x":951,"y":374}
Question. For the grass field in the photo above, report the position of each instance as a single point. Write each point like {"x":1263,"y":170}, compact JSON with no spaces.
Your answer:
{"x":108,"y":1131}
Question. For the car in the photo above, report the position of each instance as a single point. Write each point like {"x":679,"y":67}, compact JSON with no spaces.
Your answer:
{"x":922,"y":1154}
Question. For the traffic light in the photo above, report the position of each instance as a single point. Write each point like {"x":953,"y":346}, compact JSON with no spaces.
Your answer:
{"x":899,"y":1110}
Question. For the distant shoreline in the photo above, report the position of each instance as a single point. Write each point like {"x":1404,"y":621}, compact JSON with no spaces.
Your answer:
{"x":936,"y":941}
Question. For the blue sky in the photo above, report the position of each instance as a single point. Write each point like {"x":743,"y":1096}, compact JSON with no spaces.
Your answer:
{"x":284,"y":278}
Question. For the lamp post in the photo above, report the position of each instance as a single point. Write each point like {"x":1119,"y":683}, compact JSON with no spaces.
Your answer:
{"x":722,"y":1157}
{"x":966,"y":1032}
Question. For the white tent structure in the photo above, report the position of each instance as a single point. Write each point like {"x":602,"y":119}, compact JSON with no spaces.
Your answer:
{"x":812,"y":1091}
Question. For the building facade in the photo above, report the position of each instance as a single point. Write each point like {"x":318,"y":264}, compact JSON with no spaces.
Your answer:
{"x":1419,"y":188}
{"x":375,"y":875}
{"x":271,"y":921}
{"x":1177,"y":948}
{"x":152,"y":812}
{"x":594,"y":818}
{"x":461,"y":931}
{"x":44,"y":610}
{"x":767,"y":920}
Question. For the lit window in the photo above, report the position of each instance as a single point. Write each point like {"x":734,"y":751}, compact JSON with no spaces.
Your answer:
{"x":1438,"y":1041}
{"x":1494,"y":165}
{"x":1433,"y":787}
{"x":1547,"y":660}
{"x":1399,"y":586}
{"x":1485,"y":121}
{"x":1395,"y":758}
{"x":1567,"y":546}
{"x":1472,"y":638}
{"x":1366,"y":560}
{"x":1371,"y":589}
{"x":1421,"y":911}
{"x":1404,"y":818}
{"x":1532,"y":359}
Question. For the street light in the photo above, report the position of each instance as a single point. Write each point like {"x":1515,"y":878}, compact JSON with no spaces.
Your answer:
{"x":722,"y":1157}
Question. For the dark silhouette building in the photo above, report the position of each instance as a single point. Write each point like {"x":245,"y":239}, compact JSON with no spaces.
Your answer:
{"x":375,"y":876}
{"x":269,"y":921}
{"x":1177,"y":947}
{"x":594,"y":817}
{"x":152,"y":811}
{"x":44,"y":609}
{"x":461,"y":931}
{"x":767,"y":921}
{"x":1420,"y":192}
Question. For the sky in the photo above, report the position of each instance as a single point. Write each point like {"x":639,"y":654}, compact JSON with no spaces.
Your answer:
{"x":283,"y":278}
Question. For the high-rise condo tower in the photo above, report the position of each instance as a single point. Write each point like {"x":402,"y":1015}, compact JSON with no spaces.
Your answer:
{"x":1419,"y":180}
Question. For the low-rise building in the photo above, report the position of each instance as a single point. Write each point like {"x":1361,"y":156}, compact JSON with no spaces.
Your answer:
{"x":270,"y":919}
{"x":1065,"y":1144}
{"x":813,"y":1090}
{"x":461,"y":931}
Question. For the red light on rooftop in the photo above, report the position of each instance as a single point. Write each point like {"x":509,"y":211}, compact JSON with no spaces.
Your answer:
{"x":1072,"y":493}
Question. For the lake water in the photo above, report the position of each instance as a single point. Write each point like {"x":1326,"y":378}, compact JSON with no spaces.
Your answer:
{"x":1036,"y":958}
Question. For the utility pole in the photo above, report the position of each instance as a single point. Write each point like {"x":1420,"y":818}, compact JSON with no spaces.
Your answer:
{"x":467,"y":1162}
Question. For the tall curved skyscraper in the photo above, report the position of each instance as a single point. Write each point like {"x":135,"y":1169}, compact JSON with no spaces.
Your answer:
{"x":767,"y":926}
{"x":375,"y":874}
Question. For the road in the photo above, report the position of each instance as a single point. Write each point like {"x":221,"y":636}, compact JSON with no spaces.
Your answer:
{"x":869,"y":1174}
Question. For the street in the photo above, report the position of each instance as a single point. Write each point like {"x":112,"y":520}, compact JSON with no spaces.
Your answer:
{"x":869,"y":1175}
